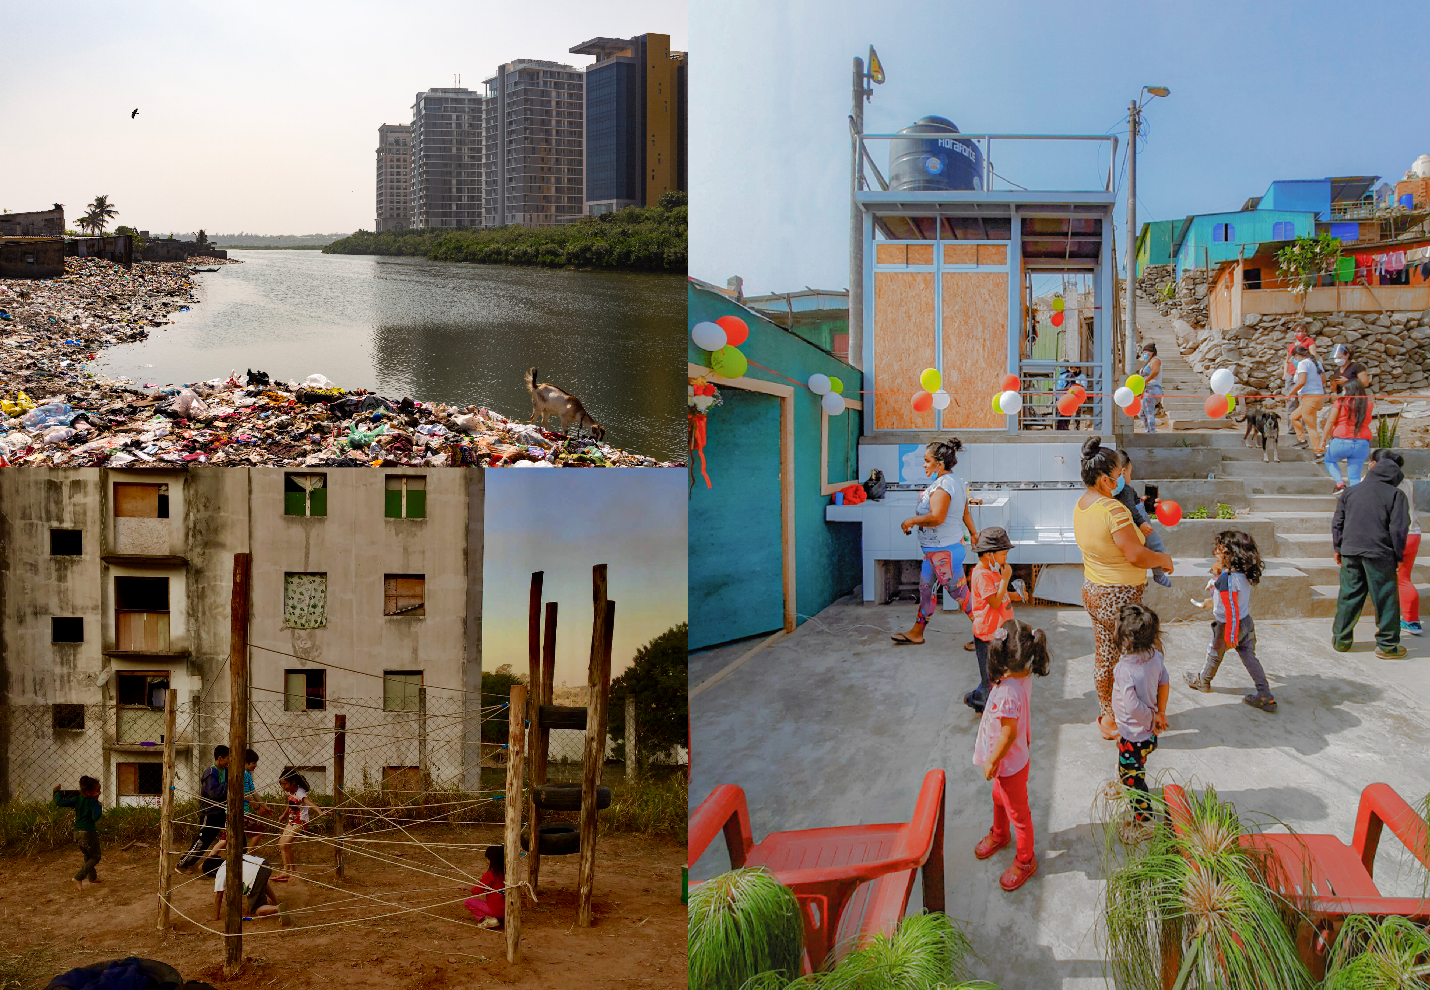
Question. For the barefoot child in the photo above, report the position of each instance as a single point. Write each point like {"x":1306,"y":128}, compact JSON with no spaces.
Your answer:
{"x":87,"y":812}
{"x":1125,"y":494}
{"x":295,"y":785}
{"x":1002,"y":746}
{"x":989,"y":598}
{"x":490,"y":907}
{"x":1237,"y":568}
{"x":1139,"y":700}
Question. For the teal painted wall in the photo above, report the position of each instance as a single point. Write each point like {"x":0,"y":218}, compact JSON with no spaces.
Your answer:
{"x":1155,"y":243}
{"x":1249,"y":227}
{"x":735,"y":577}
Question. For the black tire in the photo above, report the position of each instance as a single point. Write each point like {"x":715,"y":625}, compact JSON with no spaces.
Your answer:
{"x":567,"y":797}
{"x":556,"y":840}
{"x":561,"y":717}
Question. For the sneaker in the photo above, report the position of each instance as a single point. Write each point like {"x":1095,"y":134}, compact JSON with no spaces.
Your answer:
{"x":1394,"y":653}
{"x":1264,"y":702}
{"x":1017,"y":875}
{"x":487,"y":922}
{"x":1162,"y":579}
{"x":975,"y":701}
{"x":1413,"y":628}
{"x":1340,"y":486}
{"x":1197,"y":682}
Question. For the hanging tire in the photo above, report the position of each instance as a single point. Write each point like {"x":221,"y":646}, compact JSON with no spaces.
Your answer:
{"x":567,"y":797}
{"x":556,"y":840}
{"x":561,"y":717}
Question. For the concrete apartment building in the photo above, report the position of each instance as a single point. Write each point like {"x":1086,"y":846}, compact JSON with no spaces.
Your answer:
{"x":446,"y":159}
{"x":533,"y":139}
{"x":394,"y":177}
{"x":366,"y":596}
{"x":635,"y":121}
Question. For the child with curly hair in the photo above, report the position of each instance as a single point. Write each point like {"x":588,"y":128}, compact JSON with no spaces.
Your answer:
{"x":1237,"y":567}
{"x":1139,"y":700}
{"x":1004,"y":734}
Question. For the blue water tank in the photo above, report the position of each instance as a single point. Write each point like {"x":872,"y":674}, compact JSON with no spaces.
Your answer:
{"x":933,"y":160}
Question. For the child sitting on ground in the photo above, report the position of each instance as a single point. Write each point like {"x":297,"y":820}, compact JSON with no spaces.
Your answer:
{"x":1125,"y":494}
{"x":295,"y":785}
{"x":87,"y":813}
{"x":490,"y":907}
{"x":256,"y":874}
{"x":1004,"y":736}
{"x":1237,"y":568}
{"x":1139,"y":703}
{"x":989,"y":598}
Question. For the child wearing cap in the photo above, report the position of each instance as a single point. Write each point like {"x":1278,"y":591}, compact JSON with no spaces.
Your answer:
{"x":991,"y":607}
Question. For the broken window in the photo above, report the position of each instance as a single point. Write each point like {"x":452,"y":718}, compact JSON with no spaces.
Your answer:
{"x":66,"y":542}
{"x":404,"y":594}
{"x":305,"y":600}
{"x":139,"y":700}
{"x":141,"y":614}
{"x":67,"y":718}
{"x":400,"y":690}
{"x":305,"y":494}
{"x":141,"y":501}
{"x":66,"y":629}
{"x":139,"y":783}
{"x":1251,"y":278}
{"x":406,"y":497}
{"x":305,"y":690}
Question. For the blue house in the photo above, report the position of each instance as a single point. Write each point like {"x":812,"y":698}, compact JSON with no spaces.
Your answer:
{"x":1208,"y":239}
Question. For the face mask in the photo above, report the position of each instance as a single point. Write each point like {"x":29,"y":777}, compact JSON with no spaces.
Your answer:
{"x":1121,"y":484}
{"x":1146,"y":357}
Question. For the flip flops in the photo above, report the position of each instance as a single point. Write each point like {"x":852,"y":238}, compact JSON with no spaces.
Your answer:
{"x":900,"y":639}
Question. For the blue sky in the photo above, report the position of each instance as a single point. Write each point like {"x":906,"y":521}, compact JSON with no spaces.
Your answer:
{"x":1260,"y":91}
{"x":259,"y":116}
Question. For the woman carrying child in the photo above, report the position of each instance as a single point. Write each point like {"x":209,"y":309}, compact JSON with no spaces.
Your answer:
{"x":941,"y":516}
{"x":1004,"y":736}
{"x":1139,"y":702}
{"x":1127,"y":495}
{"x":1237,"y":568}
{"x":295,"y":786}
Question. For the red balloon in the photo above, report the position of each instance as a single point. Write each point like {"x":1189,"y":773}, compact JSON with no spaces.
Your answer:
{"x":1169,"y":513}
{"x":922,"y":401}
{"x":1068,"y":404}
{"x":736,"y":330}
{"x":1078,"y":390}
{"x":1215,"y":406}
{"x":1010,"y":384}
{"x":1057,"y":319}
{"x":1134,"y":407}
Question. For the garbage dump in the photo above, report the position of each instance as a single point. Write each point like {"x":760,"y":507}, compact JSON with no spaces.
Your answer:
{"x":55,"y":412}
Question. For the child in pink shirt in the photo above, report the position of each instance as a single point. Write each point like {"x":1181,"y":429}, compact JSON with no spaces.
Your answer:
{"x":490,"y":907}
{"x":1004,"y":734}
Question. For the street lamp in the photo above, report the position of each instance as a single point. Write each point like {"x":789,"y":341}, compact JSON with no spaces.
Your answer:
{"x":862,"y":91}
{"x":1134,"y":115}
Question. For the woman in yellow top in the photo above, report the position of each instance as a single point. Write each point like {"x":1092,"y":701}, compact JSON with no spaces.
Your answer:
{"x":1114,"y":564}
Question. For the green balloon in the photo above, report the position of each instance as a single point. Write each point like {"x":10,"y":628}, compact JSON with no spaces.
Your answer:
{"x":836,"y":386}
{"x":728,"y":362}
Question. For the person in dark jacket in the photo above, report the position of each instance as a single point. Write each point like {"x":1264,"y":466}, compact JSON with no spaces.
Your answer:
{"x":87,"y":812}
{"x":213,"y":808}
{"x":1368,"y":534}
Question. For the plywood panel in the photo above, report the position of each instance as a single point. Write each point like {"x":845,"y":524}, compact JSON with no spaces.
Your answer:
{"x":903,"y":346}
{"x":975,"y":346}
{"x":992,"y":254}
{"x":920,"y":254}
{"x":891,"y":254}
{"x":960,"y":254}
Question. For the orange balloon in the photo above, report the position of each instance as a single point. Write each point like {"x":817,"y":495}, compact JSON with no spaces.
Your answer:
{"x":1068,"y":404}
{"x":1078,"y":390}
{"x":736,"y":330}
{"x":1134,"y":407}
{"x":1057,"y":320}
{"x":1215,"y":406}
{"x":1169,"y":513}
{"x":922,"y":401}
{"x":1010,"y":383}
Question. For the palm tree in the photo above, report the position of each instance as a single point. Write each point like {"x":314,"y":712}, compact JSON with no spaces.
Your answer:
{"x":99,"y":215}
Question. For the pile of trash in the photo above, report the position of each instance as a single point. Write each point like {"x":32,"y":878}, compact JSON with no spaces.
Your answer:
{"x":54,"y":412}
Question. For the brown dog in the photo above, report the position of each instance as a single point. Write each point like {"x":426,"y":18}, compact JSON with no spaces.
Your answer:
{"x":548,"y":400}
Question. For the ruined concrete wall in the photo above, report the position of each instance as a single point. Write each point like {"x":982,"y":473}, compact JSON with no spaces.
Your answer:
{"x":40,"y":223}
{"x":32,"y":258}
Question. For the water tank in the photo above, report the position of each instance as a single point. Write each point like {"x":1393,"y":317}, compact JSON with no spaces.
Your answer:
{"x":1421,"y":168}
{"x":934,"y":160}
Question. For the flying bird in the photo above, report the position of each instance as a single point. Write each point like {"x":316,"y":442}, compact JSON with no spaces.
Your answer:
{"x":134,"y":114}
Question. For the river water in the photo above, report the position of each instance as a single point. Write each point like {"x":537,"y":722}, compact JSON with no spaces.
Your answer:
{"x":438,"y":332}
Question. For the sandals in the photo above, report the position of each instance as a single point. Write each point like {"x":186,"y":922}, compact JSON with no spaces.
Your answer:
{"x":989,"y":844}
{"x":1264,"y":702}
{"x":1197,"y":682}
{"x":902,"y":639}
{"x":1018,"y":874}
{"x":969,"y":646}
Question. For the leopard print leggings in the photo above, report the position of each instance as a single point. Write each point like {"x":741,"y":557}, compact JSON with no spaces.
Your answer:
{"x":1102,"y":602}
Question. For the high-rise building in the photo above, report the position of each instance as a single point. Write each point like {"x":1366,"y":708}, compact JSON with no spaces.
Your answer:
{"x":447,"y":158}
{"x":635,"y":121}
{"x":533,"y":139}
{"x":394,"y":177}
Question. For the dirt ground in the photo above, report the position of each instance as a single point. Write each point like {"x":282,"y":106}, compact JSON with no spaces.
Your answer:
{"x":638,"y":939}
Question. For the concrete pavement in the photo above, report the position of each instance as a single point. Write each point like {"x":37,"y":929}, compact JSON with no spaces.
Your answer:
{"x":835,"y":725}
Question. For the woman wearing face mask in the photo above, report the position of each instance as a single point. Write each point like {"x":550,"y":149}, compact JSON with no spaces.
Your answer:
{"x":942,"y":516}
{"x":1151,"y":370}
{"x":1114,"y":564}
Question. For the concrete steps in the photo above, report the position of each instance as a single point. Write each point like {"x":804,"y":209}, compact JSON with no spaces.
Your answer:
{"x":1301,"y":545}
{"x":1289,"y":589}
{"x":1323,"y":599}
{"x":1294,"y":503}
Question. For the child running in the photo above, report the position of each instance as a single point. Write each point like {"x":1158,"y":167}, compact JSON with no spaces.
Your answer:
{"x":489,"y":908}
{"x":989,"y":597}
{"x":295,"y":785}
{"x":253,"y":826}
{"x":87,"y":813}
{"x":1237,"y":568}
{"x":1004,"y":736}
{"x":1139,"y":701}
{"x":1125,"y":494}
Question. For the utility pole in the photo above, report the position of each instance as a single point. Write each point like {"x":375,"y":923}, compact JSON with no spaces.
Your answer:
{"x":1129,"y":355}
{"x":862,"y":91}
{"x":237,"y":745}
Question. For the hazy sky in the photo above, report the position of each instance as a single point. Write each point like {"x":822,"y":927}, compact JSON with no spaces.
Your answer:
{"x":258,"y":116}
{"x":565,"y":522}
{"x":1260,"y":91}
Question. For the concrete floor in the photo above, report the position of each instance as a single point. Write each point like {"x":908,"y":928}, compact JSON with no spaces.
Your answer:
{"x":835,"y":726}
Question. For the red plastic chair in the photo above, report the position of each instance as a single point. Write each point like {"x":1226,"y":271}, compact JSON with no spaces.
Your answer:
{"x":850,"y":881}
{"x":1329,"y":880}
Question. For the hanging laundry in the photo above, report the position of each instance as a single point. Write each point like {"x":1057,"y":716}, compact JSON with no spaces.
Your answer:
{"x":1395,"y":261}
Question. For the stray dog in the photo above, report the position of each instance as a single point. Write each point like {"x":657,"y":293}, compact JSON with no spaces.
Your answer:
{"x":1268,"y":425}
{"x":548,"y":400}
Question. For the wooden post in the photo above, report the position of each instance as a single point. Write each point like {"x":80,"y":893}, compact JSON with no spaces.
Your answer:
{"x":166,"y":810}
{"x":237,"y":744}
{"x":340,"y":758}
{"x":630,"y":736}
{"x":516,"y":734}
{"x":597,"y":692}
{"x":535,"y":748}
{"x":541,"y":745}
{"x":422,"y":740}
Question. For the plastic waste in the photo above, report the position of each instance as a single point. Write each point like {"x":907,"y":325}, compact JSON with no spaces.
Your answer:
{"x":190,"y":406}
{"x":317,"y":381}
{"x":50,"y":414}
{"x":18,"y":404}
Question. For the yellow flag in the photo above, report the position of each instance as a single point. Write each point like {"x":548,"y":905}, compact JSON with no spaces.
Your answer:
{"x":876,"y":68}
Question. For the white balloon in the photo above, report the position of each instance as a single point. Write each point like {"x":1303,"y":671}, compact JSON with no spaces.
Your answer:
{"x":1123,"y":397}
{"x":1222,"y":381}
{"x":819,"y":384}
{"x":941,"y":399}
{"x":709,"y":336}
{"x":1010,"y":402}
{"x":833,"y":403}
{"x":704,"y":402}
